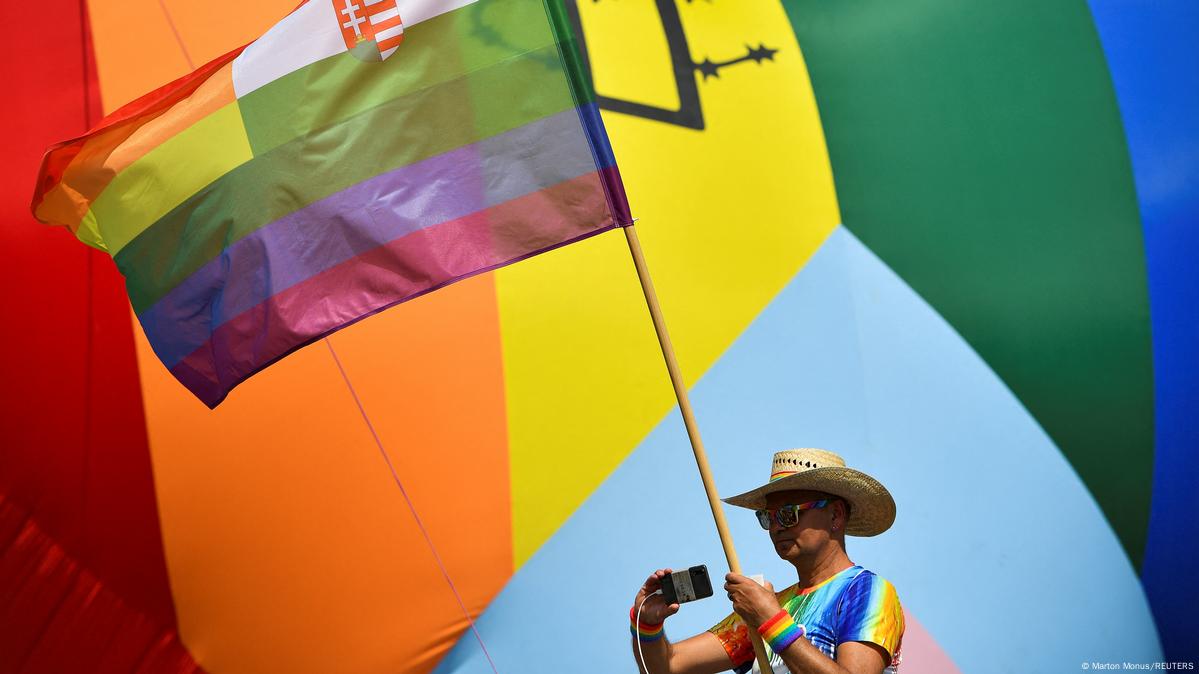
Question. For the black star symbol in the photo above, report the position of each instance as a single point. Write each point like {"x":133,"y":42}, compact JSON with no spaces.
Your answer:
{"x":708,"y":68}
{"x":762,"y":53}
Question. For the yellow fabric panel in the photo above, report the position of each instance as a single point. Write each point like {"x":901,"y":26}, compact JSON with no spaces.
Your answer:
{"x":728,"y":215}
{"x":648,"y":53}
{"x":170,"y":173}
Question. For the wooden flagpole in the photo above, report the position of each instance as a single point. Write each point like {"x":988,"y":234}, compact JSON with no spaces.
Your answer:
{"x":697,"y":443}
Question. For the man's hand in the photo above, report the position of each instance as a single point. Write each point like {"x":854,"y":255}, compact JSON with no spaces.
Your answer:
{"x":656,"y":610}
{"x":701,"y":654}
{"x":754,"y":603}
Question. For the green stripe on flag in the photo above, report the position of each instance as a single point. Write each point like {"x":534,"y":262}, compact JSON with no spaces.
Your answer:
{"x":978,"y":150}
{"x":419,"y":125}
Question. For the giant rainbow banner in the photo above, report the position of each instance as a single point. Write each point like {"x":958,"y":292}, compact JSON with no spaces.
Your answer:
{"x":952,"y":240}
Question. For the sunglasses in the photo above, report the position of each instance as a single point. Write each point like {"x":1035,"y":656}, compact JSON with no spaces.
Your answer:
{"x":788,"y":515}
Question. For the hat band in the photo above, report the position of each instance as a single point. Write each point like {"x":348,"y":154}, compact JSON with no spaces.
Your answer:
{"x":781,"y":474}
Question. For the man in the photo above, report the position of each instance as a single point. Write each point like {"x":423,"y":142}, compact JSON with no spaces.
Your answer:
{"x":838,"y":618}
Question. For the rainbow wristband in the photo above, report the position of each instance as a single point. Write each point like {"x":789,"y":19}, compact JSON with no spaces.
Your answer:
{"x":781,"y":631}
{"x":644,"y":631}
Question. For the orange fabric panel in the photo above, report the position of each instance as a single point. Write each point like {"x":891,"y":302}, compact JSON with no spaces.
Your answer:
{"x":289,"y":546}
{"x":210,"y":28}
{"x":138,"y":42}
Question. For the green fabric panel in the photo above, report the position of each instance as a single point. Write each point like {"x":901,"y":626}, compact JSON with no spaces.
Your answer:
{"x":419,"y":125}
{"x":434,"y":52}
{"x":977,"y":149}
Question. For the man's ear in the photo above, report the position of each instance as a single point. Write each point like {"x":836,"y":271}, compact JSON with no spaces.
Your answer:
{"x":841,"y":512}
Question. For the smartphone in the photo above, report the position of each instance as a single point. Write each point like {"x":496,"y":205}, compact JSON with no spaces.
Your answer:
{"x":684,"y":586}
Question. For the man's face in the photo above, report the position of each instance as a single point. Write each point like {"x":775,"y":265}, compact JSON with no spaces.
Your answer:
{"x":810,"y":534}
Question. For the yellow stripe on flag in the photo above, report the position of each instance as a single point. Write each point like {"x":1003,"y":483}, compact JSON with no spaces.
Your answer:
{"x":164,"y":177}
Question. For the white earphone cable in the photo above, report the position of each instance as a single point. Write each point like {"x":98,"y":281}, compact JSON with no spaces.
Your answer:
{"x":640,"y":654}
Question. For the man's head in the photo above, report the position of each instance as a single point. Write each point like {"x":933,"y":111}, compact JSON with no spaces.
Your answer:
{"x":862,"y":505}
{"x":803,"y":522}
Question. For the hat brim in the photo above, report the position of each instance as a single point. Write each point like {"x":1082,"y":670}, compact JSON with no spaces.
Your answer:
{"x":871,"y":508}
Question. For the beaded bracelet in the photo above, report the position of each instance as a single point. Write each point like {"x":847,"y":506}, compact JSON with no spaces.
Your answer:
{"x":781,"y":631}
{"x":644,"y":631}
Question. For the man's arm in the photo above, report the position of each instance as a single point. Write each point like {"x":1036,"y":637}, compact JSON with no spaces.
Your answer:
{"x":700,"y":654}
{"x":757,"y":604}
{"x":853,"y":657}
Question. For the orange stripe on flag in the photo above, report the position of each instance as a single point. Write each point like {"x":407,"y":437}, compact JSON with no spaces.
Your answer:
{"x":66,"y":192}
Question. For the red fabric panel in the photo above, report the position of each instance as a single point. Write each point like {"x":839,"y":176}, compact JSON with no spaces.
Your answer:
{"x":86,"y":554}
{"x":58,"y":617}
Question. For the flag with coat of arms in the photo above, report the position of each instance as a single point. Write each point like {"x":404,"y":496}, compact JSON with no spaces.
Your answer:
{"x":360,"y":153}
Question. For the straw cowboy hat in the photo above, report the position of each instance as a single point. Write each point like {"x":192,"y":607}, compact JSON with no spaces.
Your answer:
{"x":871,"y":508}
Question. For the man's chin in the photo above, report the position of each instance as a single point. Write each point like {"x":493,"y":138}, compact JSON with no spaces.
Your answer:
{"x":785,"y":548}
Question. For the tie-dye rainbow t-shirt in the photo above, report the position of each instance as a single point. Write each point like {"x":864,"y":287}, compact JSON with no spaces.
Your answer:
{"x":852,"y":605}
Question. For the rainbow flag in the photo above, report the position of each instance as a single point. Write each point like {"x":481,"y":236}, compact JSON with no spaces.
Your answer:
{"x":357,"y":155}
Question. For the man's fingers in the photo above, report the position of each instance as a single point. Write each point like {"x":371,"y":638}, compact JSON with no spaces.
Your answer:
{"x":658,"y":575}
{"x":654,"y":582}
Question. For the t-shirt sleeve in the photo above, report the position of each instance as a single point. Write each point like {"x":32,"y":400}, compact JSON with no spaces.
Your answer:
{"x":734,"y":636}
{"x":871,"y":612}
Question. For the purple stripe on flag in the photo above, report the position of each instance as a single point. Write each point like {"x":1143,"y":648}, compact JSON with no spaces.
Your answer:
{"x":360,"y":218}
{"x":413,"y":265}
